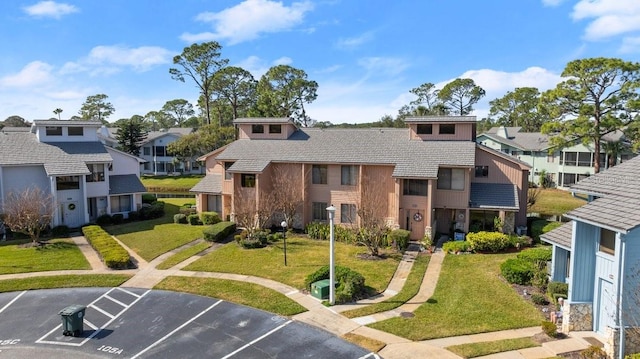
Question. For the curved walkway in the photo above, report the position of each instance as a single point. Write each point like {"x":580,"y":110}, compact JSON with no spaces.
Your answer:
{"x":147,"y":276}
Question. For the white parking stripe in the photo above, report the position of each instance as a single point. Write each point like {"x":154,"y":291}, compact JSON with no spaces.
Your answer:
{"x":128,"y":292}
{"x":372,"y":355}
{"x":256,"y":340}
{"x":115,"y":301}
{"x":102,"y":311}
{"x":12,"y":301}
{"x":175,"y":330}
{"x":93,"y":326}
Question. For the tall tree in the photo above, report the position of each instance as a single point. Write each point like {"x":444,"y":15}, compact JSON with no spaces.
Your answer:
{"x":16,"y":121}
{"x":96,"y":108}
{"x":200,"y":62}
{"x":57,"y":111}
{"x":427,"y":102}
{"x":519,"y":108}
{"x":236,"y":87}
{"x":283,"y":91}
{"x":131,"y":134}
{"x":177,"y":112}
{"x":599,"y":95}
{"x":29,"y":211}
{"x":460,"y":95}
{"x":206,"y":139}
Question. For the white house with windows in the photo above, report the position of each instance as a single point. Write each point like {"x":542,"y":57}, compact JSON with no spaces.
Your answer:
{"x":563,"y":167}
{"x":67,"y":160}
{"x":159,"y":161}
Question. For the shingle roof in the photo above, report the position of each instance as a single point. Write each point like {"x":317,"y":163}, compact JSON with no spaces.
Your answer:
{"x":248,"y":166}
{"x":528,"y":141}
{"x":15,"y":129}
{"x":124,"y":184}
{"x":280,"y":120}
{"x":85,"y":151}
{"x":23,"y":148}
{"x":494,"y":196}
{"x":445,"y":119}
{"x":413,"y":158}
{"x":211,"y":183}
{"x":560,"y":236}
{"x":514,"y":159}
{"x":620,"y":180}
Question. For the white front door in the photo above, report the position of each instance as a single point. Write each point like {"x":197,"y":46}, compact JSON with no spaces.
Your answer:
{"x":604,"y":311}
{"x":71,"y":214}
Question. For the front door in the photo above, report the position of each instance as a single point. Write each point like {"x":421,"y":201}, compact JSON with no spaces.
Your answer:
{"x":606,"y":306}
{"x":71,"y":214}
{"x":415,"y":223}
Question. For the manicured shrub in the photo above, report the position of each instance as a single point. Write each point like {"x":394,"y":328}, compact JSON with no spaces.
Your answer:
{"x":104,"y":220}
{"x":194,"y":220}
{"x":456,"y":247}
{"x":350,"y":283}
{"x":111,"y":252}
{"x":593,"y":352}
{"x":148,"y":198}
{"x":558,"y":288}
{"x":399,"y":237}
{"x":550,"y":329}
{"x":536,"y":255}
{"x":155,"y":210}
{"x":187,"y":210}
{"x":179,"y":218}
{"x":317,"y":230}
{"x":117,"y":218}
{"x":60,"y":231}
{"x":539,"y":299}
{"x":517,"y":271}
{"x":516,"y":241}
{"x":219,"y":231}
{"x":209,"y":218}
{"x":488,"y":241}
{"x":133,"y":216}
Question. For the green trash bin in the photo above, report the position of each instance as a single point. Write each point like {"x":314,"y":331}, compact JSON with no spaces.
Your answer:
{"x":320,"y":289}
{"x":73,"y":320}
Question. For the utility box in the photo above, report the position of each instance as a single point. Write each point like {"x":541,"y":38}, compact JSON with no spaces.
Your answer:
{"x":73,"y":320}
{"x":320,"y":289}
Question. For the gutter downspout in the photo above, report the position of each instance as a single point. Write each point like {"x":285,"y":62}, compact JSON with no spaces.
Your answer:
{"x":623,"y":249}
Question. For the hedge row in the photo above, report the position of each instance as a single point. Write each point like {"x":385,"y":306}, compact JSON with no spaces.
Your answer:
{"x":112,"y":253}
{"x":350,"y":283}
{"x":219,"y":231}
{"x":521,"y":270}
{"x":488,"y":241}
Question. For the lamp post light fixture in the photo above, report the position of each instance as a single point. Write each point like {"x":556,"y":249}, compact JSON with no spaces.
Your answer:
{"x":283,"y":224}
{"x":332,"y":275}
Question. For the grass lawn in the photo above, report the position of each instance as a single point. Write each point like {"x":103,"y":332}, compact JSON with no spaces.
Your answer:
{"x":57,"y":254}
{"x":183,"y":255}
{"x":154,"y":237}
{"x":304,"y":256}
{"x":470,"y":298}
{"x":473,"y":350}
{"x":162,"y":184}
{"x":553,"y":201}
{"x":409,"y":290}
{"x":249,"y":294}
{"x":371,"y":345}
{"x":63,"y":281}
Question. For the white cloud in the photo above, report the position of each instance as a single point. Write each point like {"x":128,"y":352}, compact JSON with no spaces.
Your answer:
{"x":610,"y":17}
{"x":247,"y":20}
{"x":259,"y":67}
{"x":630,"y":45}
{"x":33,"y":74}
{"x":105,"y":60}
{"x":500,"y":82}
{"x":552,"y":2}
{"x":353,"y":42}
{"x":50,"y":9}
{"x":383,"y":65}
{"x":283,"y":61}
{"x":328,"y":70}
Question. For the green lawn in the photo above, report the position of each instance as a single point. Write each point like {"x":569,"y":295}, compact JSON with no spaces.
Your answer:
{"x":248,"y":294}
{"x":473,"y":350}
{"x":63,"y":281}
{"x":57,"y":254}
{"x":409,"y":290}
{"x":183,"y":255}
{"x":553,"y":201}
{"x":470,"y":298}
{"x":163,"y":184}
{"x":154,"y":237}
{"x":304,"y":256}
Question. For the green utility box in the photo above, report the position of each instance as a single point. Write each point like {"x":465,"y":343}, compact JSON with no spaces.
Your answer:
{"x":73,"y":320}
{"x":320,"y":289}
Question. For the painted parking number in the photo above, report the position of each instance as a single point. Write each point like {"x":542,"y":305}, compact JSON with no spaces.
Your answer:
{"x":9,"y":342}
{"x":109,"y":349}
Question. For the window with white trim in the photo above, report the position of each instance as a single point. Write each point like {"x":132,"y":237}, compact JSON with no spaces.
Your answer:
{"x":120,"y":204}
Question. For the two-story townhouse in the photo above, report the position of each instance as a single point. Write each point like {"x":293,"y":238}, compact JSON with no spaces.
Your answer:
{"x":563,"y":167}
{"x":67,"y":160}
{"x":430,"y":177}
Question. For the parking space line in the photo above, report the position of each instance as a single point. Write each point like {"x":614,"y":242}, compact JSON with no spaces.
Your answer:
{"x":93,"y":326}
{"x":370,"y":355}
{"x":12,"y":301}
{"x":256,"y":340}
{"x":115,"y":301}
{"x":128,"y":292}
{"x":102,"y":311}
{"x":175,"y":330}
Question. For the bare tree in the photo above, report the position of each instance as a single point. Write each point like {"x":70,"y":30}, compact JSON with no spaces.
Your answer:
{"x":286,"y":193}
{"x":29,"y":211}
{"x":372,"y":226}
{"x":251,"y":213}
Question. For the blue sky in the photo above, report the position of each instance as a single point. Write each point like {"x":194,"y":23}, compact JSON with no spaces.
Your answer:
{"x":365,"y":54}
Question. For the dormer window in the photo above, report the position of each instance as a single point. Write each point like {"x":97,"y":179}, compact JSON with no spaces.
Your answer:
{"x":275,"y":128}
{"x":257,"y":128}
{"x":53,"y":131}
{"x":75,"y":131}
{"x":424,"y":129}
{"x":447,"y":129}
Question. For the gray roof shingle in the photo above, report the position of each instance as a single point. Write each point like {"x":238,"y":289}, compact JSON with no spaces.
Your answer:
{"x":444,"y":119}
{"x":85,"y":151}
{"x":620,"y":180}
{"x":211,"y":183}
{"x":274,"y":120}
{"x":494,"y":196}
{"x":533,"y":141}
{"x":125,"y":184}
{"x":412,"y":158}
{"x":249,"y":166}
{"x":560,"y":236}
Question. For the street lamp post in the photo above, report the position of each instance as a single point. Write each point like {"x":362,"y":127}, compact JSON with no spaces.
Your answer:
{"x":283,"y":224}
{"x":332,"y":275}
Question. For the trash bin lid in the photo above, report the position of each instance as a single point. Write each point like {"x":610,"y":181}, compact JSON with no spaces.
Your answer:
{"x":72,"y":309}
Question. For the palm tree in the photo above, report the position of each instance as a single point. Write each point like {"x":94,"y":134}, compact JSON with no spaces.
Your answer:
{"x":613,"y":150}
{"x":58,"y":111}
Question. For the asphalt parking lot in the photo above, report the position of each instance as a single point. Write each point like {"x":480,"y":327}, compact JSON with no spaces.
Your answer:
{"x":141,"y":323}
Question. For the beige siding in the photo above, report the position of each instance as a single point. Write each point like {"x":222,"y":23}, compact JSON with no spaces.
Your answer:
{"x":378,"y":186}
{"x":452,"y":198}
{"x":244,"y":131}
{"x":464,"y":132}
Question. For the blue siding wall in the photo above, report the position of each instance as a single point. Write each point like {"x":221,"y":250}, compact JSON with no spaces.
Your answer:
{"x":584,"y":247}
{"x":559,"y":270}
{"x":631,"y":274}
